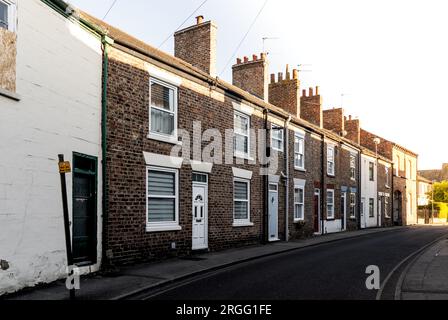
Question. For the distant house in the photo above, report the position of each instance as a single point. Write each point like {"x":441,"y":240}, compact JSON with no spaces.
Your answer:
{"x":437,"y":175}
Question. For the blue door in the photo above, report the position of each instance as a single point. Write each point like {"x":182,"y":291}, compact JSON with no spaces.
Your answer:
{"x":273,"y":212}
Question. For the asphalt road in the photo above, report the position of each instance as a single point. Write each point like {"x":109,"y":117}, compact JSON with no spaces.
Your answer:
{"x":328,"y":271}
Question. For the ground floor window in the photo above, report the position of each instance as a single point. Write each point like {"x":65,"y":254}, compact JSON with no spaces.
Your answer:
{"x":352,"y":205}
{"x":371,"y":207}
{"x":241,"y":202}
{"x":299,"y":200}
{"x":330,"y":204}
{"x":386,"y":207}
{"x":162,"y":198}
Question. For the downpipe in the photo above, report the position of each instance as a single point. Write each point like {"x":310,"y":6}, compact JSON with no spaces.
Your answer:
{"x":286,"y":131}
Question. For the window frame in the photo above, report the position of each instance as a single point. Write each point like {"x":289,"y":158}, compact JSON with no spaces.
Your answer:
{"x":302,"y":203}
{"x":157,"y":135}
{"x":241,"y":222}
{"x":237,"y":153}
{"x":386,"y":204}
{"x":11,"y":12}
{"x":387,"y":174}
{"x":352,"y":167}
{"x":371,"y":171}
{"x":301,"y":137}
{"x":281,"y":129}
{"x":371,"y":208}
{"x":332,"y":205}
{"x":164,"y":225}
{"x":332,"y":148}
{"x":352,"y":205}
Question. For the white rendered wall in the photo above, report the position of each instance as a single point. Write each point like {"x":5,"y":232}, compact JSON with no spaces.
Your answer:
{"x":59,"y":82}
{"x":369,"y":190}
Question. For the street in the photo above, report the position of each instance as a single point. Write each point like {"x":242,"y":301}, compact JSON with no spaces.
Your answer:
{"x":328,"y":271}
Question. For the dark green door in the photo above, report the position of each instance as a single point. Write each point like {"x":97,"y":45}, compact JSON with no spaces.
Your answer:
{"x":84,"y":209}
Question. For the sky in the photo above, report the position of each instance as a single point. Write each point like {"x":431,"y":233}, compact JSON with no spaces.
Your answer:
{"x":383,"y":61}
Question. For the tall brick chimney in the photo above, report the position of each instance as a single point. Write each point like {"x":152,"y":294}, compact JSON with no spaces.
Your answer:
{"x":252,"y":75}
{"x":285,"y":92}
{"x":353,"y":129}
{"x":311,"y":107}
{"x":334,"y":120}
{"x":197,"y":45}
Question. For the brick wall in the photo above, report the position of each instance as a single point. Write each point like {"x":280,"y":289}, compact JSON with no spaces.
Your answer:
{"x":311,"y":107}
{"x":128,"y":100}
{"x":285,"y":93}
{"x":197,"y":45}
{"x":252,"y":75}
{"x":334,"y":120}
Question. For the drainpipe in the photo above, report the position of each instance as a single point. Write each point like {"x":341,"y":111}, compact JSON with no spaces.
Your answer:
{"x":286,"y":130}
{"x":106,"y":41}
{"x":267,"y":154}
{"x":323,"y":197}
{"x":392,"y":196}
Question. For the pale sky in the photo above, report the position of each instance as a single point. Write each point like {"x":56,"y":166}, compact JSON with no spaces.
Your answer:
{"x":388,"y":57}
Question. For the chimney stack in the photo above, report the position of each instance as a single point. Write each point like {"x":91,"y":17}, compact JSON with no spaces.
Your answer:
{"x":197,"y":45}
{"x":252,"y":75}
{"x":353,"y":129}
{"x":334,"y":120}
{"x":311,"y":107}
{"x":285,"y":92}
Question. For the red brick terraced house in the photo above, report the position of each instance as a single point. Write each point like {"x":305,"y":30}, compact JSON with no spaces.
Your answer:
{"x":161,"y":205}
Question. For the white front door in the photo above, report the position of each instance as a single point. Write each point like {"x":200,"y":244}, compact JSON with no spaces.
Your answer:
{"x":273,"y":212}
{"x":380,"y":210}
{"x":200,"y":217}
{"x":344,"y":211}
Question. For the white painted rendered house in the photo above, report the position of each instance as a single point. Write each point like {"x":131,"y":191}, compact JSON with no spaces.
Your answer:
{"x":369,"y":213}
{"x":53,"y":108}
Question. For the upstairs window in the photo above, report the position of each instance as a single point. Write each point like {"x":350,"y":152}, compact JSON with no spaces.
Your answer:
{"x":163,"y":109}
{"x":241,"y":134}
{"x":387,"y":176}
{"x":352,"y":167}
{"x":371,"y":171}
{"x":277,"y":138}
{"x":330,"y":160}
{"x":299,"y":152}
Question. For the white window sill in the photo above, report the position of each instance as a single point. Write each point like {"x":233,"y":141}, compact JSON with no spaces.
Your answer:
{"x":278,"y":150}
{"x":353,"y":179}
{"x":331,"y":174}
{"x":300,"y":169}
{"x":161,"y":228}
{"x":162,"y":138}
{"x":243,"y":156}
{"x":299,"y":220}
{"x":242,"y":224}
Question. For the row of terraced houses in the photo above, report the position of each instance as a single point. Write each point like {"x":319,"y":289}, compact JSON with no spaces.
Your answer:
{"x":168,"y":159}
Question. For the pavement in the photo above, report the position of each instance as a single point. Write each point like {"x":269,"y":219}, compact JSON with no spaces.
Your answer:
{"x":426,"y":278}
{"x":130,"y":281}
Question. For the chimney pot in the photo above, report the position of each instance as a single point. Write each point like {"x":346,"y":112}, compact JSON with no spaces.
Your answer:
{"x":311,"y":92}
{"x":295,"y":74}
{"x":238,"y":60}
{"x":199,"y":19}
{"x":317,"y":90}
{"x":246,"y":59}
{"x":263,"y":56}
{"x":350,"y":117}
{"x":303,"y":92}
{"x":254,"y":57}
{"x":272,"y":78}
{"x":280,"y":76}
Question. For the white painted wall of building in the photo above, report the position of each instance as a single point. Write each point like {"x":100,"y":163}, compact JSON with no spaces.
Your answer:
{"x":369,"y":191}
{"x":59,"y":82}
